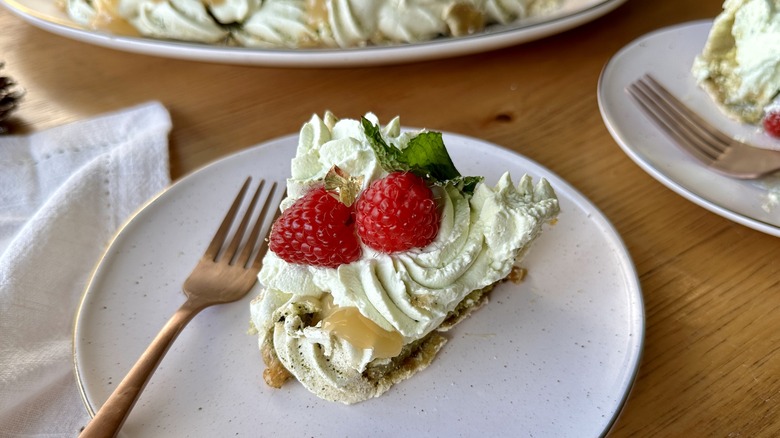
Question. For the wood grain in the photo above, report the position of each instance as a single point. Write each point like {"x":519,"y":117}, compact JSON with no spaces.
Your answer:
{"x":711,"y":287}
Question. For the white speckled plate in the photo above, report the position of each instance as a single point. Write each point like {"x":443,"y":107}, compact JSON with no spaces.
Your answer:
{"x":46,"y":15}
{"x":553,"y":356}
{"x":668,"y":55}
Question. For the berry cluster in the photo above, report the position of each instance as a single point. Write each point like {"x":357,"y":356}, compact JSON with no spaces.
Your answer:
{"x":393,"y":214}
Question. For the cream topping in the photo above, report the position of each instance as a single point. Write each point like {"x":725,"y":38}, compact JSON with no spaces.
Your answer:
{"x":167,"y":19}
{"x":276,"y":24}
{"x":304,"y":23}
{"x":480,"y":238}
{"x":740,"y":62}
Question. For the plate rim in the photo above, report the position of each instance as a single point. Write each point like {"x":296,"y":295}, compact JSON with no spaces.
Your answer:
{"x":636,"y":310}
{"x":337,"y":58}
{"x":642,"y":162}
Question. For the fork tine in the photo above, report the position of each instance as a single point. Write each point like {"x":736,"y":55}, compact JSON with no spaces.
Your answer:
{"x":691,"y":130}
{"x":249,"y":247}
{"x":219,"y":237}
{"x":660,"y":113}
{"x":230,"y":252}
{"x":698,"y":130}
{"x":661,"y":118}
{"x":712,"y":132}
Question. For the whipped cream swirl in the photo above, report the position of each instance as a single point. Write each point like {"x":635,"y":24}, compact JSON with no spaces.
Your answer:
{"x":302,"y":23}
{"x":480,"y":239}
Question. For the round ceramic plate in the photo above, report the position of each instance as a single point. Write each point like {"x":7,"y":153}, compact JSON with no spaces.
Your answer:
{"x":46,"y":15}
{"x":554,"y":355}
{"x":668,"y":55}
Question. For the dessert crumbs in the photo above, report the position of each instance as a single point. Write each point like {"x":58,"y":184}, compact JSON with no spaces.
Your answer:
{"x":275,"y":373}
{"x":517,"y":275}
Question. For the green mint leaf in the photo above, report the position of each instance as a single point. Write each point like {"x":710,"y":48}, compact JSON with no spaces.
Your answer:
{"x":387,"y":155}
{"x":425,"y":155}
{"x":469,"y":183}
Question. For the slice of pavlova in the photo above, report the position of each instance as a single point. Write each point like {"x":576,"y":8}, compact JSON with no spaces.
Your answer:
{"x":740,"y":63}
{"x":380,"y":247}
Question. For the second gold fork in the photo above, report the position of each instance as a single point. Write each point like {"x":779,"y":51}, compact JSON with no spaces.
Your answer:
{"x":698,"y":137}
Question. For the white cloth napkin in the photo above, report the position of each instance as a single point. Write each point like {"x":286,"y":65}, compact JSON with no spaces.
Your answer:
{"x":64,"y":192}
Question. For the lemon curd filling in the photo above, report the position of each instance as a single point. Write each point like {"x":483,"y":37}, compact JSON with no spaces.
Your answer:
{"x":349,"y":324}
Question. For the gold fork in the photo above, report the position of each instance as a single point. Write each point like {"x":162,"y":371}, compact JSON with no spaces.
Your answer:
{"x":698,"y":137}
{"x":222,"y":275}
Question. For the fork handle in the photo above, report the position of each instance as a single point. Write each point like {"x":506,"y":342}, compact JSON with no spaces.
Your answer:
{"x":113,"y":413}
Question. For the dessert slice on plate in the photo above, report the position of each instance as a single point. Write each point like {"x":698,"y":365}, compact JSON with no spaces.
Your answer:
{"x":740,"y":63}
{"x":381,"y":246}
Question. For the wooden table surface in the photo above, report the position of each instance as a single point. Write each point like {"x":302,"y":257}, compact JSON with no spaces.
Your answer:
{"x":711,"y":287}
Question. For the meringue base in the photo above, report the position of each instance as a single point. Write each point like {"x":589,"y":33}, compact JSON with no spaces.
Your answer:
{"x":381,"y":374}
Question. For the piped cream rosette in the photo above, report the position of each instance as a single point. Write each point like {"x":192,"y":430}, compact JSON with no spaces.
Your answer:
{"x":301,"y":23}
{"x":406,"y":295}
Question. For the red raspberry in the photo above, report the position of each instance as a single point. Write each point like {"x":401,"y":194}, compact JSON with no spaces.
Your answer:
{"x":316,"y":230}
{"x":397,"y":213}
{"x":772,"y":123}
